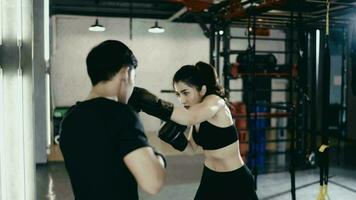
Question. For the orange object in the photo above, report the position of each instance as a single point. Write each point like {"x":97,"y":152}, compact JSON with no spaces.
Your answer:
{"x":260,"y":31}
{"x":234,"y":70}
{"x":241,"y":125}
{"x":239,"y":12}
{"x":244,"y":149}
{"x":295,"y":70}
{"x":195,"y":5}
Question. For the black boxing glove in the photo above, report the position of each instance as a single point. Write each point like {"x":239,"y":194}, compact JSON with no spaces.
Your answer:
{"x":173,"y":134}
{"x":142,"y":100}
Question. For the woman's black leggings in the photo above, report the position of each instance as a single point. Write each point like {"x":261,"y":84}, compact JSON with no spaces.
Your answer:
{"x":233,"y":185}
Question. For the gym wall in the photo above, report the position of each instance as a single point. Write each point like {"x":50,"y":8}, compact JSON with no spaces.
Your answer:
{"x":159,"y":55}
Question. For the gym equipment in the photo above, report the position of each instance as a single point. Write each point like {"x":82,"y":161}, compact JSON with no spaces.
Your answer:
{"x":58,"y":115}
{"x":324,"y":148}
{"x":263,"y":63}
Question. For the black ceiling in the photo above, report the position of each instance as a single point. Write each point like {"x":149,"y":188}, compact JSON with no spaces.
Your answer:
{"x":155,"y":9}
{"x":175,"y":10}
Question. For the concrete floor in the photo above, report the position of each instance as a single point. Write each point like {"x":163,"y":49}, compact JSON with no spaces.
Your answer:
{"x":183,"y":179}
{"x":184,"y":172}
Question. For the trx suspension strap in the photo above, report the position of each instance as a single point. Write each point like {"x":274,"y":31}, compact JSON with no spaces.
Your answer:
{"x":324,"y":148}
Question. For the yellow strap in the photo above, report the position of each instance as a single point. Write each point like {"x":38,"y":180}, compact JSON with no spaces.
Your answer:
{"x":326,"y":195}
{"x":325,"y":189}
{"x":323,"y":147}
{"x":321,"y":195}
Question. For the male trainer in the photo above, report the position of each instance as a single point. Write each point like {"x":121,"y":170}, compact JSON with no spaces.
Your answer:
{"x":105,"y":150}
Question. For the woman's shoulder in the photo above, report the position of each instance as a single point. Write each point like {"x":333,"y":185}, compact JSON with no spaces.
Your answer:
{"x":223,"y":116}
{"x":214,"y":99}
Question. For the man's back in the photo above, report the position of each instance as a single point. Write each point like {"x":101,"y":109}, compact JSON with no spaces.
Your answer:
{"x":95,"y":136}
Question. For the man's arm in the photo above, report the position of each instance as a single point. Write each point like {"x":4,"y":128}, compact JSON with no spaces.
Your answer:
{"x":139,"y":157}
{"x":147,"y":168}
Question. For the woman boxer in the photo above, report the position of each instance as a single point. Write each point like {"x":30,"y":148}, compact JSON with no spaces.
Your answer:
{"x":225,"y":176}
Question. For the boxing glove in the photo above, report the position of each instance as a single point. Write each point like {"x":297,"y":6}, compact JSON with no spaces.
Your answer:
{"x":142,"y":100}
{"x":173,"y":134}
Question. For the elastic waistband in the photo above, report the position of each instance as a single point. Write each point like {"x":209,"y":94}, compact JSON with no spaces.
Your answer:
{"x":239,"y":170}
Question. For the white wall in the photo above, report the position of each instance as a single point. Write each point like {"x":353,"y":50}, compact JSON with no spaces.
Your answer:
{"x":159,"y":55}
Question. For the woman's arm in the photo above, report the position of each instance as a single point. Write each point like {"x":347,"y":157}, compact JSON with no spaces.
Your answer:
{"x":192,"y":147}
{"x":143,"y":100}
{"x":199,"y":112}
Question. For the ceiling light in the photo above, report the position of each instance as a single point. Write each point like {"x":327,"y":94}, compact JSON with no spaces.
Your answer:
{"x":97,"y":27}
{"x":156,"y":29}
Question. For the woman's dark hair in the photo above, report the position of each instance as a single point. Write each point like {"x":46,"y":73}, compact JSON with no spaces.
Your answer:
{"x":198,"y":75}
{"x":107,"y":58}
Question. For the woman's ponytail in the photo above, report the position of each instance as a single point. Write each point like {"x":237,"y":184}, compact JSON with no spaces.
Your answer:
{"x":210,"y":78}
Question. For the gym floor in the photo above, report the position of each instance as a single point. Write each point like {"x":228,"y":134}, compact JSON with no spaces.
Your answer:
{"x":184,"y":171}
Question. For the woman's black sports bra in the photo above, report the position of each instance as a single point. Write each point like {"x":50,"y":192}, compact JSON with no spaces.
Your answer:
{"x":211,"y":137}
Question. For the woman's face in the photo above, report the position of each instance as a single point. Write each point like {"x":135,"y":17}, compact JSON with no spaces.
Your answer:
{"x":187,"y":94}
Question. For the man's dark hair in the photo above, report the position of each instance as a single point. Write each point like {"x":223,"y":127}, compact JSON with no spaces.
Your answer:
{"x":107,"y":58}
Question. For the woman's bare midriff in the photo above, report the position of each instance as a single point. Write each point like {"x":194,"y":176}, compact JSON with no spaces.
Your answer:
{"x":224,"y":159}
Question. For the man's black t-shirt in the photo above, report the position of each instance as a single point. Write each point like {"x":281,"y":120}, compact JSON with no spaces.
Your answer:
{"x":95,"y":136}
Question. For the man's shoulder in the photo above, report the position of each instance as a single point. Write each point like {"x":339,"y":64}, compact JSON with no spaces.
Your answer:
{"x":125,"y":109}
{"x":110,"y":106}
{"x":124,"y":112}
